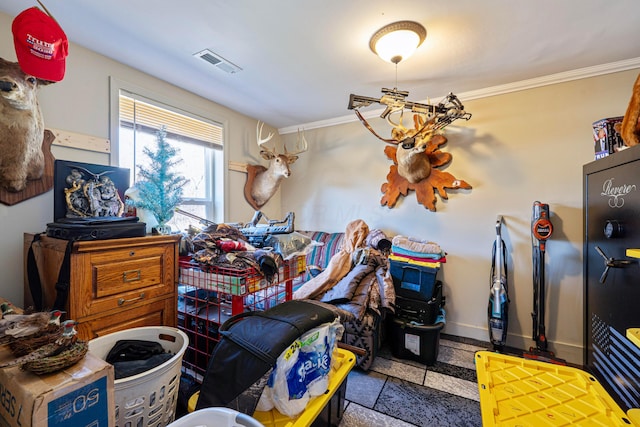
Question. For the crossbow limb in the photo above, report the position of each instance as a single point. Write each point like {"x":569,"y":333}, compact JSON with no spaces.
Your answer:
{"x":439,"y":115}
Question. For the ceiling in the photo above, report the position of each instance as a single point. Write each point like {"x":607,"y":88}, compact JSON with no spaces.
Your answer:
{"x":300,"y":60}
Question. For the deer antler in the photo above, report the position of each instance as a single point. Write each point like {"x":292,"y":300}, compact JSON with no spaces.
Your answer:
{"x":301,"y":147}
{"x":398,"y":125}
{"x":261,"y":141}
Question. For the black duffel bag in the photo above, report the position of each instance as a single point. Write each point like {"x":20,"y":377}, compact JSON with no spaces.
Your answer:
{"x":247,"y":352}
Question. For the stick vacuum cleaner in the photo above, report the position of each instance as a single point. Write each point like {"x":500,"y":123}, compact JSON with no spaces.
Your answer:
{"x":541,"y":229}
{"x":498,"y":309}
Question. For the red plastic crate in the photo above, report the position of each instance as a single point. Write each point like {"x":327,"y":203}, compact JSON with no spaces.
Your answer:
{"x":208,"y":296}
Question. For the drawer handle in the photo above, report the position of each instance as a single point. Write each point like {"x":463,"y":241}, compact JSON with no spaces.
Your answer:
{"x":122,"y":301}
{"x":131,"y":275}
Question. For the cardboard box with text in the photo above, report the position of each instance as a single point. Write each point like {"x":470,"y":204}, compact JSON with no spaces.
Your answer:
{"x":81,"y":395}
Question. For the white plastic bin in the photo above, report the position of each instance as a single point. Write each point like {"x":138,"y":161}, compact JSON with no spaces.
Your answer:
{"x":216,"y":417}
{"x":148,"y":398}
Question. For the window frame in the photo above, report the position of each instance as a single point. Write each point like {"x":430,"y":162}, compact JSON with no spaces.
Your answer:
{"x":219,"y":185}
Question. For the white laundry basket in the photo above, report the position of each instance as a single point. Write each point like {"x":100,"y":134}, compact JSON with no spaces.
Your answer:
{"x":149,"y":398}
{"x":216,"y":417}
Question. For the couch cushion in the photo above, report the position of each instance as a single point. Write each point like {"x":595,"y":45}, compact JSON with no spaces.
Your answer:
{"x":320,"y":255}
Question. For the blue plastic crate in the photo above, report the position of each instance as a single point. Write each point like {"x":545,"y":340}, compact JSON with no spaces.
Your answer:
{"x":413,"y":281}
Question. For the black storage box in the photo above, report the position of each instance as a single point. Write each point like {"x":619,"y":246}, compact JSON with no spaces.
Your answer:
{"x":332,"y":412}
{"x":412,"y":280}
{"x":415,"y":342}
{"x":424,"y":312}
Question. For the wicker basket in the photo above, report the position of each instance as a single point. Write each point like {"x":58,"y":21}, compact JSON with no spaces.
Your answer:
{"x":148,"y":398}
{"x":50,"y":364}
{"x":26,"y":345}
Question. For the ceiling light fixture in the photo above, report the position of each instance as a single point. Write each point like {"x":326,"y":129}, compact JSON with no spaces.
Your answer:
{"x":397,"y":41}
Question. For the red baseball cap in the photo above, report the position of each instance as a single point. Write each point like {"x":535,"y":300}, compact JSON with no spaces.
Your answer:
{"x":41,"y":45}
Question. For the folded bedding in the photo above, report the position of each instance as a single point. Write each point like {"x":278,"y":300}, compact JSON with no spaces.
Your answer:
{"x":415,"y":247}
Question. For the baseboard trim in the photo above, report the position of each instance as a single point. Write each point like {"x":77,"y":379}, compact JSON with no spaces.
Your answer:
{"x":572,"y":353}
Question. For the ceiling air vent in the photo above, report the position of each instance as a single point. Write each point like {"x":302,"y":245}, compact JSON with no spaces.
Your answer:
{"x":218,"y":61}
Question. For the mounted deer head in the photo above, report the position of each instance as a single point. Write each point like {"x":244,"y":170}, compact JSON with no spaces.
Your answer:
{"x":415,"y":152}
{"x":262,"y":183}
{"x":413,"y":163}
{"x":21,"y":128}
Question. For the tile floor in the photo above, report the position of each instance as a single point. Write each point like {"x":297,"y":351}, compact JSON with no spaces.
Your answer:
{"x":404,"y":393}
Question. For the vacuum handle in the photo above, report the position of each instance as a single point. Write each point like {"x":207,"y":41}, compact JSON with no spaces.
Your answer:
{"x":541,"y":227}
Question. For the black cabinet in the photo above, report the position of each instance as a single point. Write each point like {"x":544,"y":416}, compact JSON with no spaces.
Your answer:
{"x":611,"y":278}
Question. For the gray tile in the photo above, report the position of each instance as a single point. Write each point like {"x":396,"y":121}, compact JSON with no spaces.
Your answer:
{"x":359,"y":416}
{"x":426,"y":406}
{"x":461,"y":345}
{"x":397,"y":369}
{"x":364,"y":388}
{"x":464,"y":340}
{"x":385,"y":352}
{"x":457,"y":357}
{"x":454,"y":371}
{"x":452,"y":385}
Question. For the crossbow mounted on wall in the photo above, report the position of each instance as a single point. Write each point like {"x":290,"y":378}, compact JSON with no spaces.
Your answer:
{"x":415,"y":151}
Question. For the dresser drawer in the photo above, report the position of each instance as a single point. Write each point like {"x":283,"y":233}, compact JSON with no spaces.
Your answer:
{"x":126,"y":270}
{"x":123,"y":279}
{"x":157,"y":313}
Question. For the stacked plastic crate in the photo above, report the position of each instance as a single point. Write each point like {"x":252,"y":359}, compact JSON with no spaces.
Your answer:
{"x":419,"y":317}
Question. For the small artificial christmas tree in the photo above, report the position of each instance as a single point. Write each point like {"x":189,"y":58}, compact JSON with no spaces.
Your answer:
{"x":159,"y":188}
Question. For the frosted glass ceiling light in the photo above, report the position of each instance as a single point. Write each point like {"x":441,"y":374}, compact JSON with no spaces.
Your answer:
{"x":396,"y":42}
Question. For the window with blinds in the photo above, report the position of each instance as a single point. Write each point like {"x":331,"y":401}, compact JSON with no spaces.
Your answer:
{"x":199,"y":143}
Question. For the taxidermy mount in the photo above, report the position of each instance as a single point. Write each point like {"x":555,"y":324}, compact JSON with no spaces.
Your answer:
{"x":631,"y":122}
{"x":415,"y":152}
{"x":21,"y":128}
{"x":415,"y":159}
{"x":262,"y":182}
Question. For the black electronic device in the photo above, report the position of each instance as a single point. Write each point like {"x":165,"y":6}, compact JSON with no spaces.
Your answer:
{"x":86,"y":190}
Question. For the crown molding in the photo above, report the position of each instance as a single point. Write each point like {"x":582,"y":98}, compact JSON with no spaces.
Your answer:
{"x":566,"y":76}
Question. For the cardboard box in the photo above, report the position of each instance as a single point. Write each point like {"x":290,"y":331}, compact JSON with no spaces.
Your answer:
{"x":81,"y":395}
{"x":606,"y":136}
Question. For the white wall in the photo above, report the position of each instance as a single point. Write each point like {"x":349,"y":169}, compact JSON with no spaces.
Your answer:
{"x":80,"y":103}
{"x":517,"y":148}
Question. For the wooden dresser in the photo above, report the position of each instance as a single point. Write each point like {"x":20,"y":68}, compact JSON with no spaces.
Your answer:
{"x":115,"y":284}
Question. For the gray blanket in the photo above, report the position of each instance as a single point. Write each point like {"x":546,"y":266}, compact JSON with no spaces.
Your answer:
{"x":363,"y":287}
